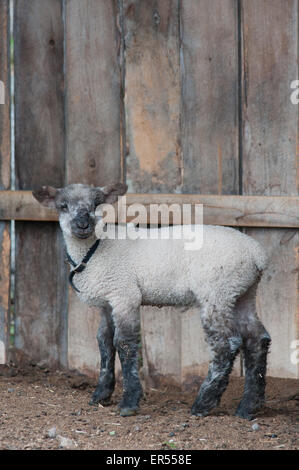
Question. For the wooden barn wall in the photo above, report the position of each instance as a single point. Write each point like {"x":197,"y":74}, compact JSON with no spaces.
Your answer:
{"x":40,"y":283}
{"x":5,"y":154}
{"x":270,"y":131}
{"x":171,"y":96}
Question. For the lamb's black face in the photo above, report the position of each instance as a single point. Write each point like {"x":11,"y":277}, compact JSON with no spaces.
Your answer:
{"x":77,"y":204}
{"x":82,"y":225}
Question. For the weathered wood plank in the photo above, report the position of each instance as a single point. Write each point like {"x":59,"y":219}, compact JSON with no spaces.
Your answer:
{"x":41,"y":303}
{"x":269,"y":118}
{"x":152,"y":97}
{"x":93,"y":97}
{"x":21,"y":205}
{"x":209,"y":64}
{"x":4,"y":107}
{"x":83,"y":349}
{"x":40,"y":298}
{"x":5,"y":152}
{"x":277,"y":297}
{"x":270,"y":126}
{"x":161,"y":346}
{"x":236,"y":211}
{"x":93,"y":134}
{"x":4,"y":291}
{"x":295,"y":344}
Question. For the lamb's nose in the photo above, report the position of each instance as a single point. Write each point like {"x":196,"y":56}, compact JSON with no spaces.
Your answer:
{"x":82,"y":220}
{"x":82,"y":223}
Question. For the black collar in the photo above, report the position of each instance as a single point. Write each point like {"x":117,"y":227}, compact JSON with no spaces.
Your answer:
{"x":78,"y":268}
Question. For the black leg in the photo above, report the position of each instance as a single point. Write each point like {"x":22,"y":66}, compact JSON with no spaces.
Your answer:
{"x":255,"y":357}
{"x":210,"y":393}
{"x":132,"y":390}
{"x":106,"y":383}
{"x":126,"y":340}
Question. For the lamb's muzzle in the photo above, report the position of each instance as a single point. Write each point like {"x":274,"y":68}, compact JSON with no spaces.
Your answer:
{"x":220,"y":280}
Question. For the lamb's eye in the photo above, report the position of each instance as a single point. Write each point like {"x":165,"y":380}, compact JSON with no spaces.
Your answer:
{"x":63,"y":206}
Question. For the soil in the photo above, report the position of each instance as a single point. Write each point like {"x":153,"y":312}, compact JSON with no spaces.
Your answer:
{"x":45,"y":409}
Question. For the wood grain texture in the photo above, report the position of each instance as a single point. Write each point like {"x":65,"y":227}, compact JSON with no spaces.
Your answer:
{"x":40,"y":318}
{"x":83,"y":349}
{"x":39,"y":86}
{"x":4,"y":292}
{"x":277,"y":297}
{"x":93,"y":134}
{"x":93,"y":97}
{"x":152,"y":96}
{"x":270,"y":125}
{"x":21,"y":205}
{"x":209,"y":64}
{"x":161,"y":345}
{"x":5,"y":146}
{"x":5,"y":154}
{"x":295,"y":345}
{"x":40,"y":298}
{"x":270,"y":120}
{"x":237,"y":211}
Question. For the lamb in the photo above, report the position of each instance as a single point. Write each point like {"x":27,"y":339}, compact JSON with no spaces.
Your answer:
{"x":119,"y":276}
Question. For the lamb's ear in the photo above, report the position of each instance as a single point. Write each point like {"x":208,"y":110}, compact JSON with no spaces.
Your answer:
{"x":112,"y":191}
{"x":46,"y":195}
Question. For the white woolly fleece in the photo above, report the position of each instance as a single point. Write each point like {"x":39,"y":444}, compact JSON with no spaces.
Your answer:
{"x":126,"y":273}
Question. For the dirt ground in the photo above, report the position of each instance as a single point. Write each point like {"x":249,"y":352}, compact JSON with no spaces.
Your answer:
{"x":44,"y":409}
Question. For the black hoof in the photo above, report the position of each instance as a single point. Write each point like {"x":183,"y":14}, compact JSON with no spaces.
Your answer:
{"x":101,"y":401}
{"x":246,"y":412}
{"x":196,"y":411}
{"x":248,"y":409}
{"x":101,"y":397}
{"x":244,"y":415}
{"x":128,"y":411}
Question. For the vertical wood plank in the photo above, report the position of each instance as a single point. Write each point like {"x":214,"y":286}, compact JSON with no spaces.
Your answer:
{"x":209,"y":63}
{"x":153,"y":152}
{"x":297,"y":248}
{"x":93,"y":134}
{"x":161,"y":346}
{"x":5,"y":149}
{"x":277,"y":297}
{"x":270,"y":126}
{"x":195,"y":355}
{"x":93,"y":100}
{"x":5,"y":146}
{"x":39,"y":143}
{"x":152,"y":96}
{"x":209,"y":130}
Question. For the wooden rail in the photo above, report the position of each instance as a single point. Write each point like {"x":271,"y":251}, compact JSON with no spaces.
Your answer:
{"x":236,"y":211}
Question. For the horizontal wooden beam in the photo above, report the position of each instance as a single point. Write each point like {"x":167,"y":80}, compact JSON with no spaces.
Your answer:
{"x":236,"y":211}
